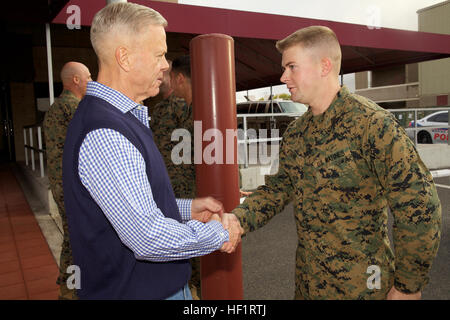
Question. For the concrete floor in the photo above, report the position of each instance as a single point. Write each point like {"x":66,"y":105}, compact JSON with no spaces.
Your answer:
{"x":47,"y":224}
{"x":28,"y":270}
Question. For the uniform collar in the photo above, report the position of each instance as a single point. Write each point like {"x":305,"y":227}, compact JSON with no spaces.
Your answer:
{"x":336,"y":107}
{"x":67,"y":92}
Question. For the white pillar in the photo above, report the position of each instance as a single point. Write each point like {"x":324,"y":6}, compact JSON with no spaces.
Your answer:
{"x":32,"y":151}
{"x":49,"y":63}
{"x":244,"y":120}
{"x":25,"y":143}
{"x":448,"y":130}
{"x":41,"y":154}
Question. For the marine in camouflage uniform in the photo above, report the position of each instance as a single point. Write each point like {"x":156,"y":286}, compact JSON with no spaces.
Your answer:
{"x":56,"y":121}
{"x":170,"y":114}
{"x":344,"y":169}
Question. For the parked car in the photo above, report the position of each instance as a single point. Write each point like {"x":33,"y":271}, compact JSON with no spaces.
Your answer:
{"x":292,"y":111}
{"x":431,"y":135}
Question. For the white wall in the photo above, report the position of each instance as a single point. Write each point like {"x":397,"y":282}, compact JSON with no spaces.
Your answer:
{"x":397,"y":14}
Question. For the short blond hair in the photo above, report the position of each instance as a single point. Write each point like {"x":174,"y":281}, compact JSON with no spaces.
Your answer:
{"x":314,"y":37}
{"x":127,"y":17}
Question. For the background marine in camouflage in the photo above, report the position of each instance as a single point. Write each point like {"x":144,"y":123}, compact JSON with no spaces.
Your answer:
{"x":170,"y":114}
{"x":344,"y":163}
{"x":74,"y":76}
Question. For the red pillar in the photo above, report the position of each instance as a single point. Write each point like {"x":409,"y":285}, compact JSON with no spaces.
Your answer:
{"x":214,"y":101}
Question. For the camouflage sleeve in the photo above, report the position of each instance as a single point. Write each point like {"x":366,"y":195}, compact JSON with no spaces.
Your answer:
{"x":162,"y":124}
{"x":56,"y":121}
{"x":69,"y":109}
{"x":268,"y":199}
{"x":52,"y":121}
{"x":54,"y":134}
{"x":240,"y":177}
{"x":169,"y":115}
{"x":412,"y":198}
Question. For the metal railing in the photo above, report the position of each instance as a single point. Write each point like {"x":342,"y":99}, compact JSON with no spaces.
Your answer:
{"x":405,"y":116}
{"x":32,"y":148}
{"x":414,"y":115}
{"x":248,"y":141}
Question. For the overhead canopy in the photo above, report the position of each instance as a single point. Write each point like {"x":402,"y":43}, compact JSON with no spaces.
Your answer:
{"x":258,"y":63}
{"x":35,"y":11}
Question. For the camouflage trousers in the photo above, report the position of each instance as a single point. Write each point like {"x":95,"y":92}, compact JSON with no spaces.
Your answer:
{"x":194,"y":282}
{"x":65,"y":259}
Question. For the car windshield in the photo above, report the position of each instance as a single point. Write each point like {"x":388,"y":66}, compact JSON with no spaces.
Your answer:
{"x":293,"y":107}
{"x":438,"y":117}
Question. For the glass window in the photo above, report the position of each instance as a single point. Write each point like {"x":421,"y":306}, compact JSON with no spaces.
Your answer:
{"x":242,"y":108}
{"x":443,"y":117}
{"x":276,"y":108}
{"x":252,"y":107}
{"x":261,"y":107}
{"x":293,"y":107}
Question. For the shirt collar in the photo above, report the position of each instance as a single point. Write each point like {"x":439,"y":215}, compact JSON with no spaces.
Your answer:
{"x":336,"y":107}
{"x":114,"y":97}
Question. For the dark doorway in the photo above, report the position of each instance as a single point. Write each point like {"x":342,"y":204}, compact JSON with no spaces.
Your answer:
{"x":7,"y":151}
{"x":17,"y":66}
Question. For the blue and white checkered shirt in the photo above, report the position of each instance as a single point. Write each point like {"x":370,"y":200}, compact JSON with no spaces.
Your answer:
{"x":113,"y":172}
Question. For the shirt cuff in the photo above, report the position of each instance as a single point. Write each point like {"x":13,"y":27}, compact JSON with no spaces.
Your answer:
{"x":184,"y":206}
{"x":218,"y":228}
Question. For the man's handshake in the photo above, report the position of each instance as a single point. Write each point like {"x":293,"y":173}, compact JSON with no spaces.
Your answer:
{"x":230,"y":223}
{"x":206,"y":209}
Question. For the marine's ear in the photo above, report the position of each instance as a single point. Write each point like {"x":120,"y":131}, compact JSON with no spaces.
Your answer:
{"x":326,"y":66}
{"x":76,"y":79}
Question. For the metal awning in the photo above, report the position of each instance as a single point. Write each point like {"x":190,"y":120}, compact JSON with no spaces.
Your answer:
{"x":35,"y":11}
{"x":258,"y":63}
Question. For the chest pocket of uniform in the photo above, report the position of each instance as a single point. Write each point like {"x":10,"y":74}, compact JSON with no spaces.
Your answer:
{"x":337,"y":177}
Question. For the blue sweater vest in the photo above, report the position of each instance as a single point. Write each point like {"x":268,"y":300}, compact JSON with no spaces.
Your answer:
{"x":109,"y":269}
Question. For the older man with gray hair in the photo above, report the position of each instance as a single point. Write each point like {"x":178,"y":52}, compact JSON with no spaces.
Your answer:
{"x":131,"y":238}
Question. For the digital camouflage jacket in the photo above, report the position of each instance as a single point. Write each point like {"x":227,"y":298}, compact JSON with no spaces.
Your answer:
{"x":55,"y":125}
{"x":343,"y":170}
{"x":168,"y":115}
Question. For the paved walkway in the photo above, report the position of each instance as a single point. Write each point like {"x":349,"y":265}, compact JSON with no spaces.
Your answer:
{"x":27,"y":267}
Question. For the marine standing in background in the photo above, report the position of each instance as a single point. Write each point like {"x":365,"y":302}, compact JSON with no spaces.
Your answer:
{"x":171,"y":114}
{"x":74,"y":76}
